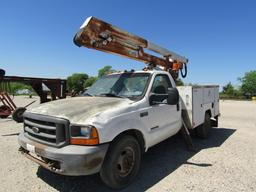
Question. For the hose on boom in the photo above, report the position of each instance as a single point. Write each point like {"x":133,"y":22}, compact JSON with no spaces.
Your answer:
{"x":183,"y":75}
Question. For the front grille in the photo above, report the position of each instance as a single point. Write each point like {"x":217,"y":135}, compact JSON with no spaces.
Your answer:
{"x":45,"y":129}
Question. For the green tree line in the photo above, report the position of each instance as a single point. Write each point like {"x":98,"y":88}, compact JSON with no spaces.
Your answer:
{"x":13,"y":87}
{"x":78,"y":82}
{"x":245,"y":91}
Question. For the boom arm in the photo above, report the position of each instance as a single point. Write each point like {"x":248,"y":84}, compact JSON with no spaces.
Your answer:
{"x":99,"y":35}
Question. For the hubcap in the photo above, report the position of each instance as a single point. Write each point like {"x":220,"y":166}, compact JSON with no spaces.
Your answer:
{"x":126,"y":161}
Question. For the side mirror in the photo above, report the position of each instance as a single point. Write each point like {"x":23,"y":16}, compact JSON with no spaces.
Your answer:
{"x":173,"y":96}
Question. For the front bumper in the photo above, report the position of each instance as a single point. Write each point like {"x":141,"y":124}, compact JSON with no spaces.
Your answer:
{"x":69,"y":160}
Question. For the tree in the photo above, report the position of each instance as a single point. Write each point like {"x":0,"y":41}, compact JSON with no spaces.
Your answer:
{"x":229,"y":89}
{"x":90,"y":81}
{"x":101,"y":72}
{"x":15,"y":87}
{"x":179,"y":82}
{"x":105,"y":70}
{"x":248,"y":83}
{"x":76,"y":81}
{"x":230,"y":92}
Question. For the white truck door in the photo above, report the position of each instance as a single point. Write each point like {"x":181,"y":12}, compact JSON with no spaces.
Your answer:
{"x":164,"y":119}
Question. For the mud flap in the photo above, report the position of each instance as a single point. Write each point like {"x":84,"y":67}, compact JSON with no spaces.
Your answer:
{"x":187,"y":137}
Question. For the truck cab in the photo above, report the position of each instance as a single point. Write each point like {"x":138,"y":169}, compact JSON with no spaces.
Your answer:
{"x":145,"y":107}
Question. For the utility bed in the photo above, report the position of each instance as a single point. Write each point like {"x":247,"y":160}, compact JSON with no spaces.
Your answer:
{"x":196,"y":100}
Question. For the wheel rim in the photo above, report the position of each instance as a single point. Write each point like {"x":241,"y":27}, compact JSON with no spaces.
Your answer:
{"x":20,"y":114}
{"x":126,"y":161}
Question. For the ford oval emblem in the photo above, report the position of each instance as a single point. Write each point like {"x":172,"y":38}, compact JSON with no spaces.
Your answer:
{"x":35,"y":129}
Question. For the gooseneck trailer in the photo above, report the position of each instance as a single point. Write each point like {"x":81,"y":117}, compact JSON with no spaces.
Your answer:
{"x":57,"y":88}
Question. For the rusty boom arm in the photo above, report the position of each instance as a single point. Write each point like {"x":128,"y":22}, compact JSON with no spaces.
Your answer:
{"x":99,"y":35}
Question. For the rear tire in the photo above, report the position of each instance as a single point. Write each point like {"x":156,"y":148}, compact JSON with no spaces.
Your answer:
{"x":17,"y":115}
{"x":202,"y":131}
{"x":122,"y":162}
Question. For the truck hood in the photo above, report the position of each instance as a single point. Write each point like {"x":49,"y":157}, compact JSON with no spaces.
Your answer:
{"x":79,"y":109}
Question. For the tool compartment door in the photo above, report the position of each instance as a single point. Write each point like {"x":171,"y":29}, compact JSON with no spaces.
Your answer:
{"x":208,"y":94}
{"x":186,"y":104}
{"x":216,"y":101}
{"x":197,"y":106}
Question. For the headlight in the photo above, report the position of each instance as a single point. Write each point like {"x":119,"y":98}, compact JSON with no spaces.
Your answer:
{"x":86,"y":131}
{"x":84,"y":135}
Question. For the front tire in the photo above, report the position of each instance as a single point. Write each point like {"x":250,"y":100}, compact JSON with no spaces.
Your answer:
{"x":121,"y":163}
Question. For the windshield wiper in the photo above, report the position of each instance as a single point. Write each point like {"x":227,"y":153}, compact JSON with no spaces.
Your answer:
{"x":110,"y":95}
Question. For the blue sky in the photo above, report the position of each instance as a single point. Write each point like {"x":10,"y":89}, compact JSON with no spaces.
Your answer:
{"x":218,"y":37}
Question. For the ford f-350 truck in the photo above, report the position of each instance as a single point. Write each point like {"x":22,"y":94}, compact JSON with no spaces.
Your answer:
{"x":110,"y":126}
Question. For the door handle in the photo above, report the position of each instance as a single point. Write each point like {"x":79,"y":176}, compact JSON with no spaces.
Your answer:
{"x":143,"y":114}
{"x":178,"y":107}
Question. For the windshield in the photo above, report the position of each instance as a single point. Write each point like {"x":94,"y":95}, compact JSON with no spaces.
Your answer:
{"x":129,"y":85}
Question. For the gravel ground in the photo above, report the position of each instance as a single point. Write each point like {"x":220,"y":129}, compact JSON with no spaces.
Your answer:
{"x":224,"y":162}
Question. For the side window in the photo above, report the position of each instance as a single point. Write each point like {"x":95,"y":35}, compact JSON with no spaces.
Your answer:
{"x":161,"y":84}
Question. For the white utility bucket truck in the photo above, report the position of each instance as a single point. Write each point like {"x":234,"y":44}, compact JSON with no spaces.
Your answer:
{"x":121,"y":115}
